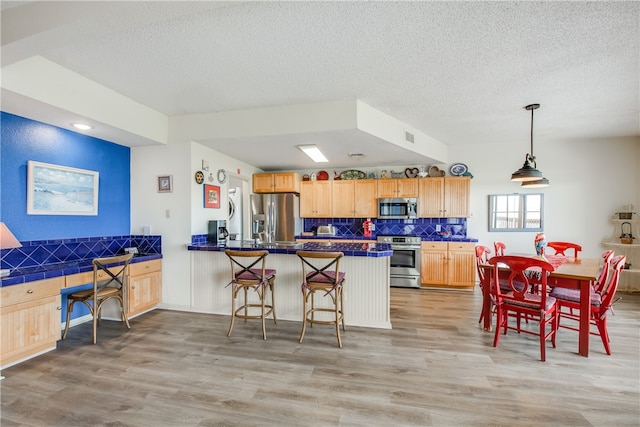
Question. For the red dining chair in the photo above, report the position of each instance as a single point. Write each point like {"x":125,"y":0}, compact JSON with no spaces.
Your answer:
{"x":519,"y":301}
{"x":482,"y":258}
{"x":601,"y":303}
{"x":500,"y":248}
{"x":607,"y":257}
{"x":561,"y":247}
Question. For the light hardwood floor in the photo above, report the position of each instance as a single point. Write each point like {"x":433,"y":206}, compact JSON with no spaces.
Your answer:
{"x":436,"y":367}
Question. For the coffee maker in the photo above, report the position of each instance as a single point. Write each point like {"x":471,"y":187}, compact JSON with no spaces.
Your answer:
{"x":217,"y":233}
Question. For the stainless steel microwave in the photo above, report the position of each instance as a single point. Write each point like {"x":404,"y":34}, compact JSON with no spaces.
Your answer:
{"x":399,"y":208}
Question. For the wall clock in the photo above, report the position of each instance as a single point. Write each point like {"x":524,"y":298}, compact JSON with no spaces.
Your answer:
{"x":222,"y":176}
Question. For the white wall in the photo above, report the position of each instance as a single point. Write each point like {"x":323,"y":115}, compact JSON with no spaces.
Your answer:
{"x":184,"y":206}
{"x":590,"y":181}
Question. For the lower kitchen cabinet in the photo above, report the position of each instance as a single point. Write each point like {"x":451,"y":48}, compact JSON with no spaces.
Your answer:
{"x":29,"y":319}
{"x":145,"y":286}
{"x":447,"y":264}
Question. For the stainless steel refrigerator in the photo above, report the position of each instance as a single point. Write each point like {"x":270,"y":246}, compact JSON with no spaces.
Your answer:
{"x":275,"y":217}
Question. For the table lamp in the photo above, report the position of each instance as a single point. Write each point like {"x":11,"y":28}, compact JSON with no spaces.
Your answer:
{"x":7,"y":241}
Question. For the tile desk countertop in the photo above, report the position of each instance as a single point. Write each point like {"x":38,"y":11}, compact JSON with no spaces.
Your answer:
{"x":31,"y":274}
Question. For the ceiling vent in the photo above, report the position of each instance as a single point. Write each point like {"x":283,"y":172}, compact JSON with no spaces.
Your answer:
{"x":408,"y":136}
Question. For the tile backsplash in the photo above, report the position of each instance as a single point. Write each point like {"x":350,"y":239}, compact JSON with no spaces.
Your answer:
{"x":423,"y":227}
{"x":42,"y":252}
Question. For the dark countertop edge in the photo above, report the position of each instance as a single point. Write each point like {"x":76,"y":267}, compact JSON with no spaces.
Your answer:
{"x":349,"y":249}
{"x":32,"y":274}
{"x":424,"y":239}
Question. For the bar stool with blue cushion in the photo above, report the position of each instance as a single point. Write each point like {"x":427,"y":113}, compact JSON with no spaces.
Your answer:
{"x":248,"y":271}
{"x":321,"y":273}
{"x":109,"y":282}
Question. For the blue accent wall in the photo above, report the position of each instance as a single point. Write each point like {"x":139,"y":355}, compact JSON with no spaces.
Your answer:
{"x":23,"y":140}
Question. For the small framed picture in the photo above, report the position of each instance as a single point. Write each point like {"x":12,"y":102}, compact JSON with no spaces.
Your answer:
{"x":211,"y":196}
{"x":165,"y":184}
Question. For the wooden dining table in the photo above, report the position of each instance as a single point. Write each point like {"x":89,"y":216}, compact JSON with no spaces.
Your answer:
{"x":574,"y":273}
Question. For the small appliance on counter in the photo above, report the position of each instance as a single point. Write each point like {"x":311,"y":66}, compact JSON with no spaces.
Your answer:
{"x":326,"y":231}
{"x":217,"y":233}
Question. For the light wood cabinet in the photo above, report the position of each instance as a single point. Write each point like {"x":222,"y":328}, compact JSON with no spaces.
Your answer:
{"x":446,"y":197}
{"x":447,"y":264}
{"x":316,"y":199}
{"x":280,"y":182}
{"x":401,"y":187}
{"x":354,"y":198}
{"x":144,"y":286}
{"x":29,"y":319}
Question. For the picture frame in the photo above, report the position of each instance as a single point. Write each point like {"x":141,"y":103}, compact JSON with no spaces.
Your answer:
{"x":211,"y":196}
{"x":61,"y":190}
{"x":165,"y":184}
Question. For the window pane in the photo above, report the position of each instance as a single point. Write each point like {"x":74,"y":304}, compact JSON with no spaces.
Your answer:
{"x":515,"y":212}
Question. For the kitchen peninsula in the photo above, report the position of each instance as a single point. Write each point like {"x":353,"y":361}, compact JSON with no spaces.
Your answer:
{"x":367,"y":294}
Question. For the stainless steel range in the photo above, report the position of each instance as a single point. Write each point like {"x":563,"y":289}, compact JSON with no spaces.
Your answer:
{"x":405,"y":260}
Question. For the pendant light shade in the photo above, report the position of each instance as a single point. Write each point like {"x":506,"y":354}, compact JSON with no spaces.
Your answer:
{"x":528,"y":174}
{"x":538,"y":183}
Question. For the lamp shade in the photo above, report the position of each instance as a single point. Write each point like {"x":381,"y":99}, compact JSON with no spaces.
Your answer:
{"x":527,"y":172}
{"x":7,"y":239}
{"x":539,"y":183}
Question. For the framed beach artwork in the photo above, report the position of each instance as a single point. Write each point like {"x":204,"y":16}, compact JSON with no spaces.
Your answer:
{"x":211,"y":196}
{"x":61,"y":190}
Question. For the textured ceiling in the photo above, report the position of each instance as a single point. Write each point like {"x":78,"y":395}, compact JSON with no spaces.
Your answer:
{"x":460,"y":72}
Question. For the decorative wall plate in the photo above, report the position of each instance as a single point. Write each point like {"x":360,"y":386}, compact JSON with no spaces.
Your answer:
{"x":222,"y":176}
{"x":458,"y":169}
{"x":352,"y":174}
{"x":323,"y":176}
{"x":199,"y":177}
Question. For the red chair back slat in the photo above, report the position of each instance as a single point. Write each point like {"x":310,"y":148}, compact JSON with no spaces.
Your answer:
{"x":561,"y":247}
{"x":499,"y":248}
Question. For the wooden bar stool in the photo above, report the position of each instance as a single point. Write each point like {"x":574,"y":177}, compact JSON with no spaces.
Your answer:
{"x":321,"y":272}
{"x":245,"y":274}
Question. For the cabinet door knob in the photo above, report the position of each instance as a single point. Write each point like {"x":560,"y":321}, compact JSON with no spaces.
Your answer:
{"x":30,"y":291}
{"x":58,"y":308}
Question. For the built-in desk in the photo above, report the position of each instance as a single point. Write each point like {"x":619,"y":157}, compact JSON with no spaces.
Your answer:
{"x":31,"y":307}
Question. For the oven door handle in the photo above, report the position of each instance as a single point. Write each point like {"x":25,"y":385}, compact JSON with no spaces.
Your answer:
{"x":405,"y":247}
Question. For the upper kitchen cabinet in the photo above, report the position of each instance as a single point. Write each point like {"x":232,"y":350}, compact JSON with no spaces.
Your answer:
{"x":315,"y":199}
{"x":281,"y":182}
{"x":446,"y":197}
{"x":402,"y":187}
{"x":355,"y":198}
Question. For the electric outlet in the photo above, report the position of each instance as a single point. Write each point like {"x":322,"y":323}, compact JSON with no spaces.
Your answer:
{"x":438,"y":227}
{"x":167,"y":213}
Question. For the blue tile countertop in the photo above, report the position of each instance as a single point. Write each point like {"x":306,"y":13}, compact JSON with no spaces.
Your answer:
{"x":349,"y":249}
{"x":48,"y":271}
{"x":359,"y":237}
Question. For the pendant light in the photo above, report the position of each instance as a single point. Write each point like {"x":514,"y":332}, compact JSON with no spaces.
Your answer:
{"x":528,"y":174}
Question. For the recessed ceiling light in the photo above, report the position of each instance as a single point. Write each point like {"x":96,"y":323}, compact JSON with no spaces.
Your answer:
{"x":81,"y":126}
{"x":314,"y":152}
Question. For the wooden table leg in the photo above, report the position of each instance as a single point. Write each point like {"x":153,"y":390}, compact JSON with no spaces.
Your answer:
{"x":486,"y":300}
{"x":585,"y":317}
